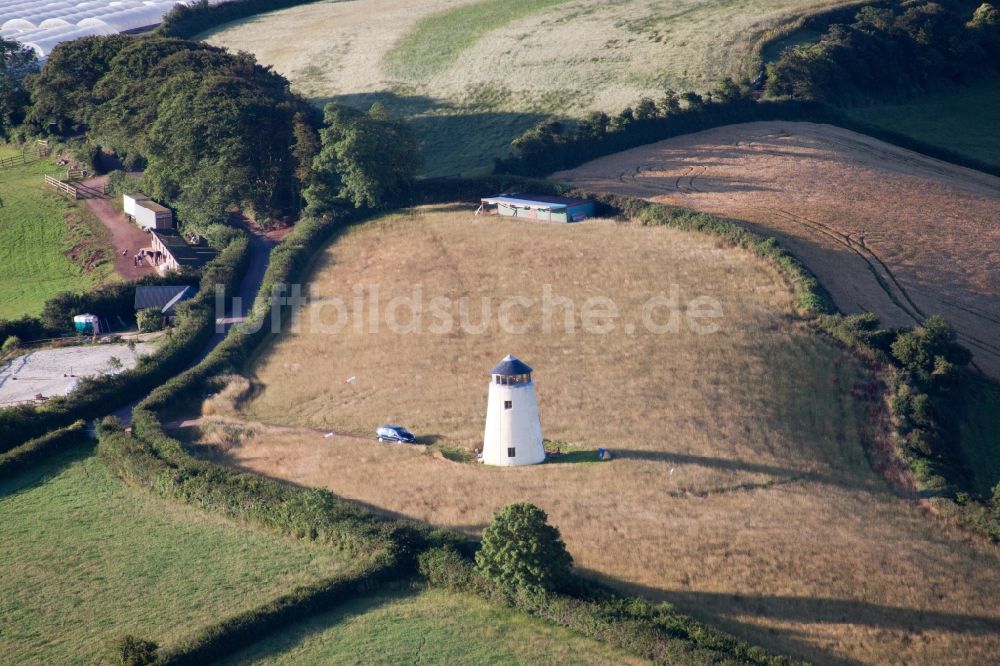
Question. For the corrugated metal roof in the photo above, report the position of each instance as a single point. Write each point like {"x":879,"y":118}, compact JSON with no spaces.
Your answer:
{"x":183,"y":254}
{"x":162,"y":297}
{"x":149,"y":204}
{"x":542,"y":201}
{"x":511,"y":365}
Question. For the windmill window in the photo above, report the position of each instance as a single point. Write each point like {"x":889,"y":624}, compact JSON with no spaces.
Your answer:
{"x":510,"y":452}
{"x":508,"y":404}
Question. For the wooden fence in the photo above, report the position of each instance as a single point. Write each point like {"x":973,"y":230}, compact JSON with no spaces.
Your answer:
{"x":13,"y":161}
{"x":59,"y":185}
{"x":75,"y":174}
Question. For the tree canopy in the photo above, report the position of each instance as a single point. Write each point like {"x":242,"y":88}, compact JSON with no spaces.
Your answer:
{"x":17,"y":62}
{"x":891,"y":51}
{"x":366,"y":159}
{"x":520,"y":549}
{"x":214,"y":129}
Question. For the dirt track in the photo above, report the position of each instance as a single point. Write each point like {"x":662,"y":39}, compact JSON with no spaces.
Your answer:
{"x":885,"y":229}
{"x":124,"y":234}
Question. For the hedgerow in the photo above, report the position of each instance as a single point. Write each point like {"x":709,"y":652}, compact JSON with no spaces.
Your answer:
{"x":653,"y":631}
{"x":24,"y":456}
{"x":244,"y":629}
{"x":553,"y":145}
{"x":186,"y":21}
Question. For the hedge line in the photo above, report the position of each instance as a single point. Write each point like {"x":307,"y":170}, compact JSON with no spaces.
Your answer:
{"x":24,"y":456}
{"x":187,"y":21}
{"x":244,"y":629}
{"x":570,"y":151}
{"x":152,"y":459}
{"x":194,"y":325}
{"x":653,"y":631}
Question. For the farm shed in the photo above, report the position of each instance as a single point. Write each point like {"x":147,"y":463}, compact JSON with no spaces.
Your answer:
{"x":151,"y":215}
{"x":546,"y":207}
{"x":162,"y":297}
{"x":130,"y":200}
{"x":172,"y":252}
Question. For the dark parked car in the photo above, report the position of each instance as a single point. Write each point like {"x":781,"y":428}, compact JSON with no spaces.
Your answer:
{"x":394,"y":433}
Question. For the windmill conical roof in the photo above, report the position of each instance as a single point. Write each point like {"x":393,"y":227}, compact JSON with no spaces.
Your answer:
{"x":510,"y":365}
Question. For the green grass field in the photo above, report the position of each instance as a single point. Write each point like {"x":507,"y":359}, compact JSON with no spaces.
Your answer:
{"x":48,"y":244}
{"x":963,"y":120}
{"x":84,"y":558}
{"x":473,"y":74}
{"x":437,"y":42}
{"x":432,"y":627}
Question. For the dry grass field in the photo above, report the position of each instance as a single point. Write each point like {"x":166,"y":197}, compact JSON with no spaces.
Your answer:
{"x":472,"y":74}
{"x":885,"y":229}
{"x":739,"y":489}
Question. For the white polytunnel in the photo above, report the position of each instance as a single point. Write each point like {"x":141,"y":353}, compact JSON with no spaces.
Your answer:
{"x":43,"y":24}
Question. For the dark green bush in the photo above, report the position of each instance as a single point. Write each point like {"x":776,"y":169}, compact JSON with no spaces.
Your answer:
{"x":150,"y":319}
{"x":521,"y":549}
{"x":444,"y":567}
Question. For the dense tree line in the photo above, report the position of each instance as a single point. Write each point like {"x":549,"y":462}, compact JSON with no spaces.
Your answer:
{"x":891,"y":51}
{"x":16,"y":63}
{"x":367,"y":159}
{"x":552,"y":144}
{"x":214,"y":130}
{"x":186,"y":21}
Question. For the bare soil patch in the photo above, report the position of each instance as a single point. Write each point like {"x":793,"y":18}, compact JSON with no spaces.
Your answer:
{"x":124,"y":235}
{"x":885,"y":229}
{"x":739,"y":488}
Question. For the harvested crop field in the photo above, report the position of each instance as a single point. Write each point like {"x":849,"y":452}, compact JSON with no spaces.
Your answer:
{"x":886,"y":230}
{"x":739,"y":488}
{"x":470,"y":75}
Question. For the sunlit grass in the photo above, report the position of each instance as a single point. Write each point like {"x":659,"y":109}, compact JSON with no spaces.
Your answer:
{"x":84,"y":559}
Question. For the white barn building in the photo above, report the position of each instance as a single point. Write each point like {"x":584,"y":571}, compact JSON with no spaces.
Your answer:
{"x":513,"y":428}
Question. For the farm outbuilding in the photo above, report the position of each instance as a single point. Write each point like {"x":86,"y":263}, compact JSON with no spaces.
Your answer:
{"x":171,"y":251}
{"x":162,"y":297}
{"x":147,"y":213}
{"x":550,"y":208}
{"x":130,"y":200}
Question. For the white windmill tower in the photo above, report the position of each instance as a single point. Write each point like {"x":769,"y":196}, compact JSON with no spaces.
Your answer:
{"x":513,"y":429}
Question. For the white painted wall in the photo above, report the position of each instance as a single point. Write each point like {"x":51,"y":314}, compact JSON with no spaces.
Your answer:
{"x":129,"y":202}
{"x":519,"y":428}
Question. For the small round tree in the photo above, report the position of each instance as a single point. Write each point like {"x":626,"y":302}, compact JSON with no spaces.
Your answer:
{"x":520,"y":549}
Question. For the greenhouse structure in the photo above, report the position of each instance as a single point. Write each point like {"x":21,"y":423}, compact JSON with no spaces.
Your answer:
{"x":42,"y":24}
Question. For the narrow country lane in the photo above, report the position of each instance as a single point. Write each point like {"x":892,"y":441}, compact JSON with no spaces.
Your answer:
{"x":260,"y":256}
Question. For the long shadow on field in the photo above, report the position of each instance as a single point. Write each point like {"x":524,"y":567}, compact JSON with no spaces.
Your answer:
{"x":455,"y":140}
{"x":721,"y":609}
{"x":38,"y":473}
{"x":275,"y":645}
{"x":731,"y":465}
